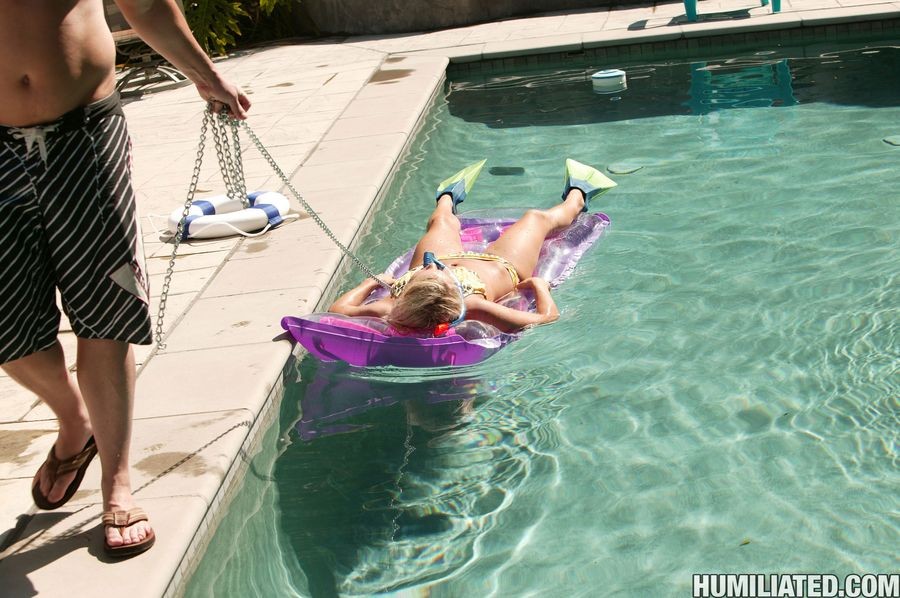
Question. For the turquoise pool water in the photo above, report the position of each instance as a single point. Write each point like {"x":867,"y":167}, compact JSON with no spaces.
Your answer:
{"x":720,"y":394}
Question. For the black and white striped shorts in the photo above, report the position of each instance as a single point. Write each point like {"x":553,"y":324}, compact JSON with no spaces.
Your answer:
{"x":68,"y":221}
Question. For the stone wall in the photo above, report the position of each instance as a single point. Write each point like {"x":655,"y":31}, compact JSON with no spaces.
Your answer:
{"x":360,"y":17}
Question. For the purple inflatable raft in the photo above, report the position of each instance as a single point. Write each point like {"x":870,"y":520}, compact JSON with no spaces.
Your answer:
{"x":372,"y":342}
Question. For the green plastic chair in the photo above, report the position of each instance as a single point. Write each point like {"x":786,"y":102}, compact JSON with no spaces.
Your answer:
{"x":690,"y":8}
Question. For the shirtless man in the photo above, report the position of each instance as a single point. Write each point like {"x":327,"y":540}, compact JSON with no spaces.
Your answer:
{"x":67,"y":221}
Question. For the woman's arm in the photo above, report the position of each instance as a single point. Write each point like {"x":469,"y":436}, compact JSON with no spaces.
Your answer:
{"x":161,"y":24}
{"x":545,"y":305}
{"x":351,"y":302}
{"x":508,"y":319}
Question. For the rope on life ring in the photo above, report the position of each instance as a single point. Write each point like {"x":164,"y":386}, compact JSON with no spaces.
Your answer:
{"x":221,"y":216}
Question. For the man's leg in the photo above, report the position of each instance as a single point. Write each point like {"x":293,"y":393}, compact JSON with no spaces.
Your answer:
{"x":44,"y":373}
{"x":106,"y":376}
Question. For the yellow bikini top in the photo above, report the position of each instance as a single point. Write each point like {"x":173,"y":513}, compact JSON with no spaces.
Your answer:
{"x":469,"y":281}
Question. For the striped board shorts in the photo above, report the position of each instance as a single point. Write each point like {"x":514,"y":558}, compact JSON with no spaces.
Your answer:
{"x":68,"y":221}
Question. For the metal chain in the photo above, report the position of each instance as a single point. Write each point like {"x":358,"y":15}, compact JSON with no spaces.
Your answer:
{"x":233,"y":173}
{"x":234,"y":185}
{"x":232,"y":158}
{"x":220,"y":155}
{"x":239,"y":162}
{"x":179,"y":231}
{"x":262,"y":150}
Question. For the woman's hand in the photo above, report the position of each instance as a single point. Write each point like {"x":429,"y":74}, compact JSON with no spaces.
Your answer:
{"x":545,"y":306}
{"x":534,"y":283}
{"x":371,"y":283}
{"x":352,"y":303}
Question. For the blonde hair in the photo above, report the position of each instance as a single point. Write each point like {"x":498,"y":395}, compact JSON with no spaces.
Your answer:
{"x":425,"y":303}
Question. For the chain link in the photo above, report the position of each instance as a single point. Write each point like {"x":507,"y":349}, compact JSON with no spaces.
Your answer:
{"x":239,"y":162}
{"x":235,"y":188}
{"x":179,"y":231}
{"x":318,"y":220}
{"x":232,"y":169}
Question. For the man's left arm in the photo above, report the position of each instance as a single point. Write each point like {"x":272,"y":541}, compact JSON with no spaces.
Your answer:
{"x":162,"y":25}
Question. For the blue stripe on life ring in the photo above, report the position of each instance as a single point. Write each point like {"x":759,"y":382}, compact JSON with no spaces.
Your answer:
{"x":253,"y":195}
{"x":186,"y":231}
{"x":206,"y":207}
{"x":271,"y":212}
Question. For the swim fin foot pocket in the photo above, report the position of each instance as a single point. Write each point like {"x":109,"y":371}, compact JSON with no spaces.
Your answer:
{"x":459,"y":185}
{"x":587,"y":179}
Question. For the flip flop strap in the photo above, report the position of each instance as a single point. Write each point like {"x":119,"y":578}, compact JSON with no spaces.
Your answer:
{"x":124,"y":518}
{"x":74,"y":463}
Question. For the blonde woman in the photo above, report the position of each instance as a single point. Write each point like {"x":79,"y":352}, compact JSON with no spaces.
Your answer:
{"x":451,"y":284}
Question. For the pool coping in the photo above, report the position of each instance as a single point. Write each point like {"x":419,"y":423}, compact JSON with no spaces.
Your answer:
{"x":188,"y":509}
{"x":789,"y":38}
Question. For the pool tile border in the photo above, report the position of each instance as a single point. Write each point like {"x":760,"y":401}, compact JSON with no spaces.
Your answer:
{"x":229,"y":486}
{"x":687,"y":43}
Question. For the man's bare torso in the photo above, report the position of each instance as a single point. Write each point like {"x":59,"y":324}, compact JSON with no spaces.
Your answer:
{"x":55,"y":55}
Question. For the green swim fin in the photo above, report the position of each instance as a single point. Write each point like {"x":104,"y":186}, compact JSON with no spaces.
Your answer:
{"x":460,"y":183}
{"x":589,"y":180}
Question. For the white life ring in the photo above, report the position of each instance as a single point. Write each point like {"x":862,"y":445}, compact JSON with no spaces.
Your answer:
{"x":220,"y":216}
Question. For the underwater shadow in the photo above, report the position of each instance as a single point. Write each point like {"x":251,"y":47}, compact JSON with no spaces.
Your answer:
{"x":360,"y":447}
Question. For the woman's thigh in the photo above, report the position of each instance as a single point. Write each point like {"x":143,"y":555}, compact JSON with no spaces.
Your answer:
{"x":441,"y":238}
{"x":521,"y":242}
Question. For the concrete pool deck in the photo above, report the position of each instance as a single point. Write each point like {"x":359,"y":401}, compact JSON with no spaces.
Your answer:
{"x":336,"y":116}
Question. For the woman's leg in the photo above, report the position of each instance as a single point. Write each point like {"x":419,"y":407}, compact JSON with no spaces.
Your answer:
{"x":442,"y":232}
{"x":521,"y":242}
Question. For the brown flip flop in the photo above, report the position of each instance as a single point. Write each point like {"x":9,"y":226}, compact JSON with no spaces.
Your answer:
{"x":121,"y":520}
{"x":59,"y":467}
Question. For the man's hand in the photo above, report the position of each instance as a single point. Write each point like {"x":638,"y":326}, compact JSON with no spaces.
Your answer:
{"x":223,"y":93}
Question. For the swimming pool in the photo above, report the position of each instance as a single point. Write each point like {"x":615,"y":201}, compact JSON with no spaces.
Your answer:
{"x":720,"y":394}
